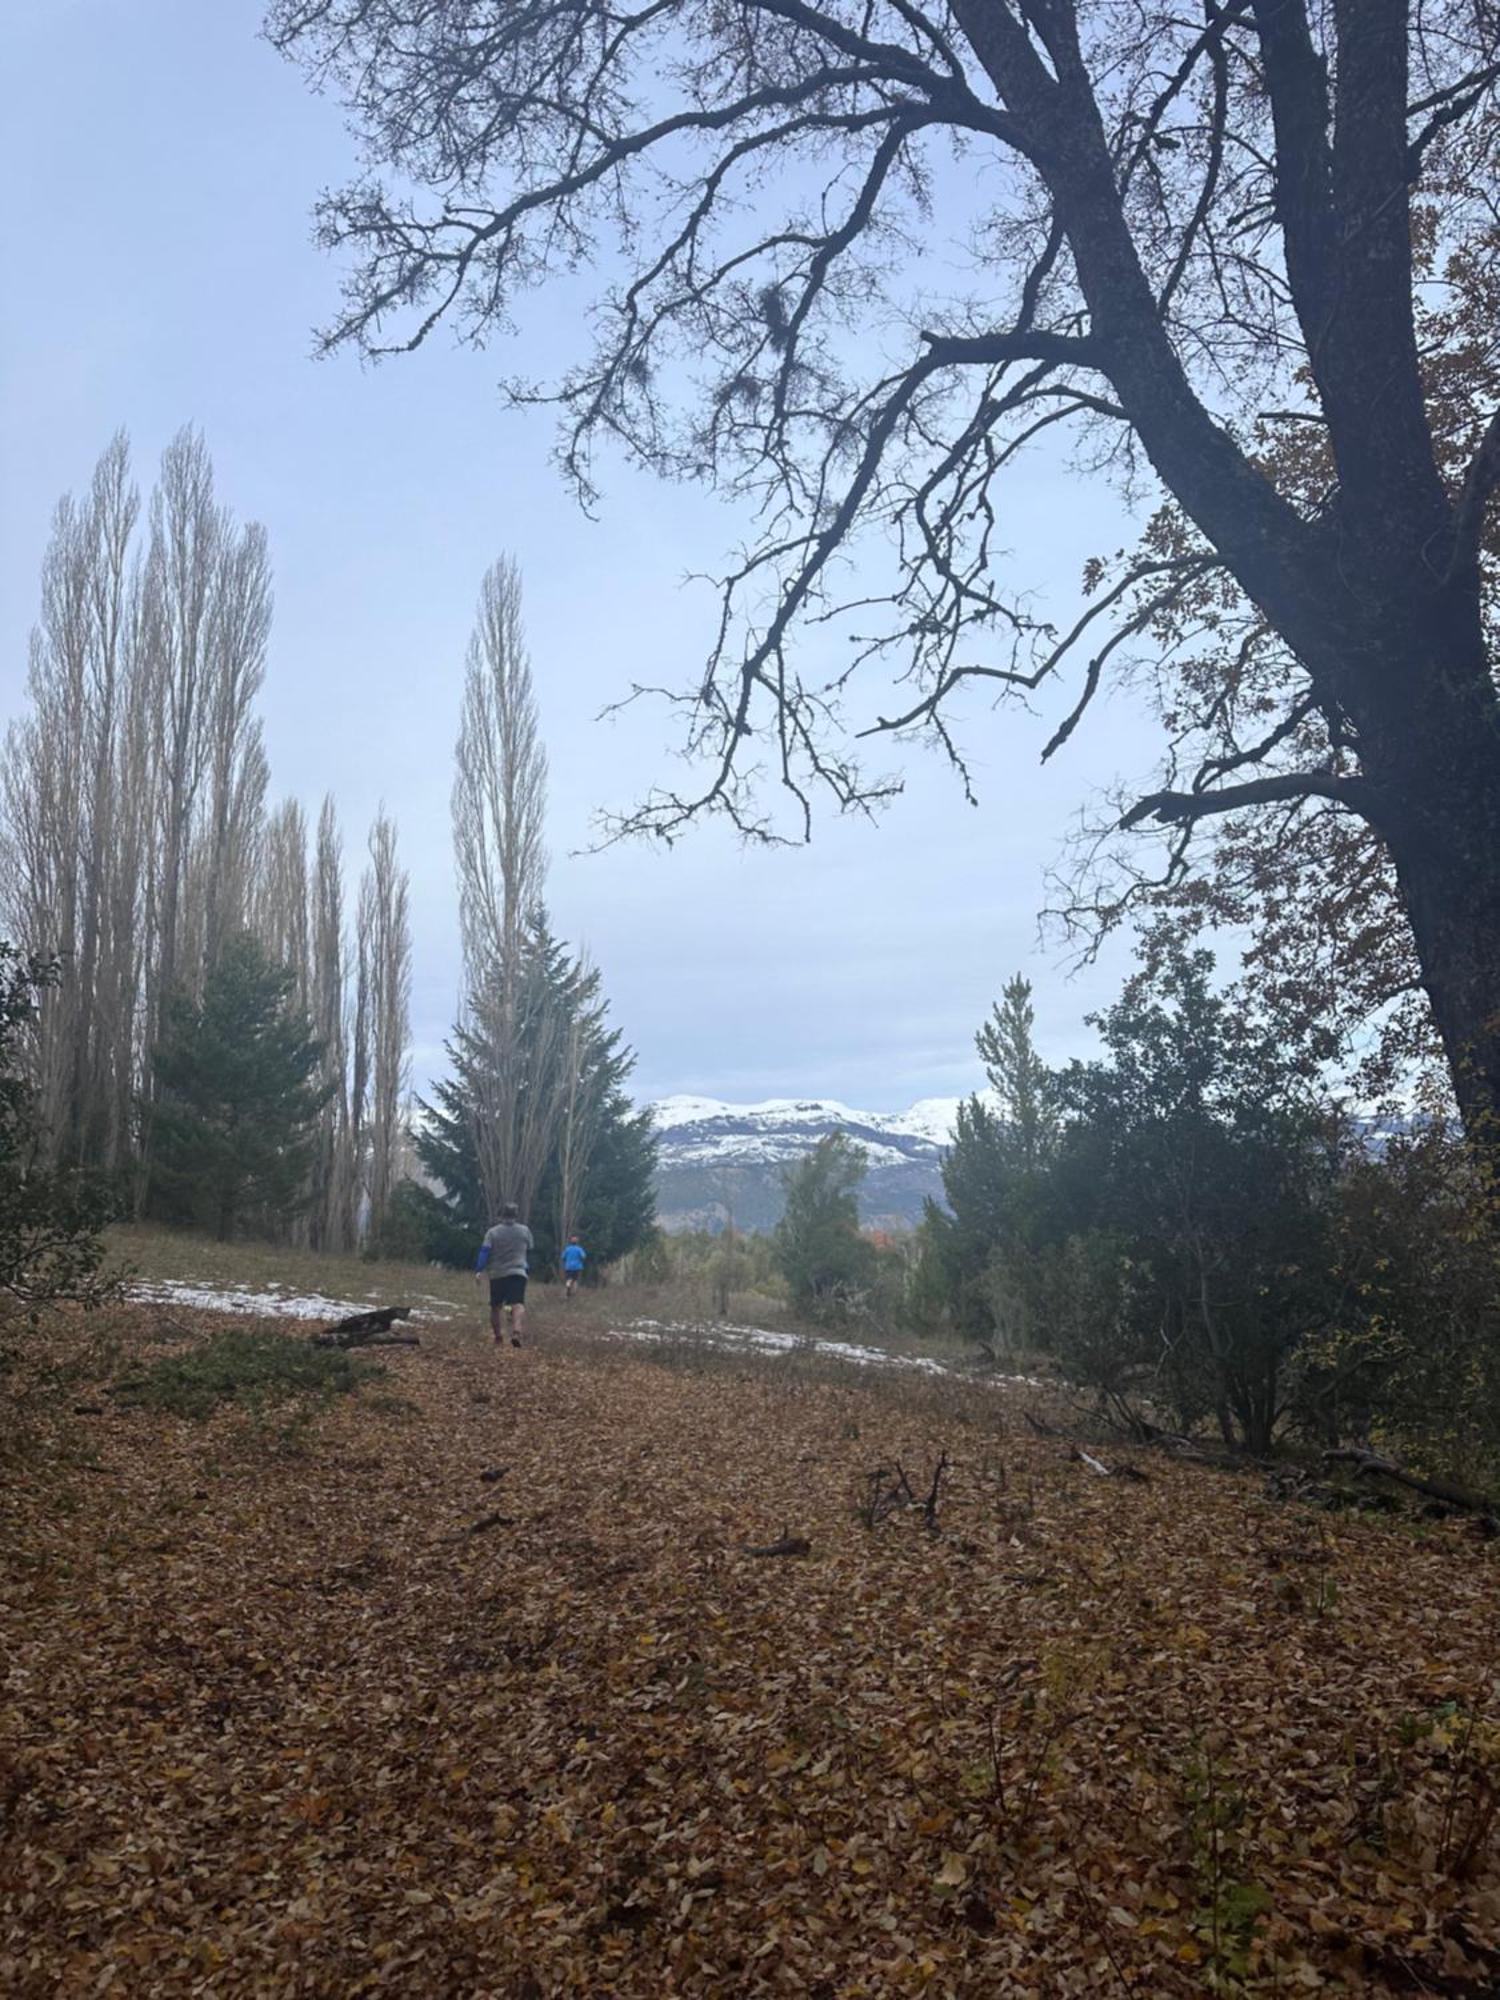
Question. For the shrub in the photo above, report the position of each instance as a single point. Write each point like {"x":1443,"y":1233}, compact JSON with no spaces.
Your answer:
{"x":254,"y":1370}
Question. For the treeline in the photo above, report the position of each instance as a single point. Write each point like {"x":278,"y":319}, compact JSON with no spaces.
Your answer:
{"x":227,"y":1042}
{"x":141,"y":848}
{"x":1199,"y":1232}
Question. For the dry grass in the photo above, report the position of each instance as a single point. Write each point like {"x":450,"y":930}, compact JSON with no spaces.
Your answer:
{"x":683,"y":1304}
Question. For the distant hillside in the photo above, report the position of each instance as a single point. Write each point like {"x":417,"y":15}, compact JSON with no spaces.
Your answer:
{"x":722,"y":1160}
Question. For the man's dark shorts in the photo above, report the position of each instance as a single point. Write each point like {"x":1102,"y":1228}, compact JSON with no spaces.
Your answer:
{"x":508,"y":1291}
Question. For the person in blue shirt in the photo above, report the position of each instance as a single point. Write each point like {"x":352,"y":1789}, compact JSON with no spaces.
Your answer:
{"x":573,"y":1261}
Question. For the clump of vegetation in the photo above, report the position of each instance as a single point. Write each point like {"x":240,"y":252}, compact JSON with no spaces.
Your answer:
{"x":254,"y":1370}
{"x":50,"y":1219}
{"x":1197,"y":1232}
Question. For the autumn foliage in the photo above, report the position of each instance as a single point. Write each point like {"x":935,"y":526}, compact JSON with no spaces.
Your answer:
{"x":471,"y":1684}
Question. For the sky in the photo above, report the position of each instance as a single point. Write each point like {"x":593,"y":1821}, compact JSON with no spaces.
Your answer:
{"x":162,"y":163}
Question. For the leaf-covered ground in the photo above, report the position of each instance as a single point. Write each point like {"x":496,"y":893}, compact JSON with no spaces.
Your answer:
{"x":321,"y":1709}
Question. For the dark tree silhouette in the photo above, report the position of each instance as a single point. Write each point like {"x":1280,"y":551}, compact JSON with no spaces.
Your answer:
{"x":1190,"y":230}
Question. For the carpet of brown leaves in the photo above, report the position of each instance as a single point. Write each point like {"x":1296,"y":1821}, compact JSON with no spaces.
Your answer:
{"x":344,"y":1716}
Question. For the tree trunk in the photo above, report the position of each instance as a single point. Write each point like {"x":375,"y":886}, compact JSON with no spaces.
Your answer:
{"x":1438,"y":771}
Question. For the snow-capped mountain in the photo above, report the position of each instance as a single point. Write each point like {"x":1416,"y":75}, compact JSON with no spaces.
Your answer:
{"x":719,"y":1161}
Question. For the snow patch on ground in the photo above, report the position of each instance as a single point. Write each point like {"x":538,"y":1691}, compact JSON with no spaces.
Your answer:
{"x":271,"y":1302}
{"x":764,"y":1340}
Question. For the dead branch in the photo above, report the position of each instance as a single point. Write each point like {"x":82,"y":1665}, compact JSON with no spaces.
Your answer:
{"x":364,"y":1330}
{"x":1371,"y":1465}
{"x":788,"y":1544}
{"x":1095,"y":1465}
{"x":481,"y":1526}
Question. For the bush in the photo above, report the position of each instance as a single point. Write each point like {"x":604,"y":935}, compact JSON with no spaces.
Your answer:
{"x":1411,"y":1361}
{"x":50,"y":1222}
{"x":254,"y":1370}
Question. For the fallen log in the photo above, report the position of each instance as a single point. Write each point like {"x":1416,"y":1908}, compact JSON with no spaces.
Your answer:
{"x":365,"y":1330}
{"x":1373,"y":1465}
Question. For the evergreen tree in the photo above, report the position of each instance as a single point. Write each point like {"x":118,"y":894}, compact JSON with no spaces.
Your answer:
{"x":610,"y":1190}
{"x":825,"y":1260}
{"x":990,"y":1172}
{"x":1016,"y":1073}
{"x":233,"y":1136}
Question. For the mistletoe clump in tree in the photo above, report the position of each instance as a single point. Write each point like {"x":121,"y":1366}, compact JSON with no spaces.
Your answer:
{"x":1190,"y":234}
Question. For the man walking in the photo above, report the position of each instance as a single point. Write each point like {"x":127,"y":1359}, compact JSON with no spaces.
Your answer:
{"x":503,"y":1254}
{"x":573,"y":1260}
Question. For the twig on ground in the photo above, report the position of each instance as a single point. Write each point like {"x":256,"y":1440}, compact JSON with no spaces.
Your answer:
{"x":479,"y":1527}
{"x":787,"y":1545}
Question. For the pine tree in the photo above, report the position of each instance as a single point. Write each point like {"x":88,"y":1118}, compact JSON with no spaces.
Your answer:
{"x":1016,"y":1073}
{"x":823,"y":1257}
{"x":238,"y":1096}
{"x":989,"y":1175}
{"x":609,"y":1193}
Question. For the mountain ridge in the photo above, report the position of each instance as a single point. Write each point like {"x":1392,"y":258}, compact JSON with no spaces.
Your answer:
{"x":721,"y":1163}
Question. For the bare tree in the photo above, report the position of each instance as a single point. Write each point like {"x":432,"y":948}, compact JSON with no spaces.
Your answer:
{"x":1186,"y":231}
{"x":361,"y":1036}
{"x":281,"y":899}
{"x":183,"y":567}
{"x":333,"y":1174}
{"x":499,"y":809}
{"x":499,"y":787}
{"x":132,"y":790}
{"x":237,"y":770}
{"x":204,"y":626}
{"x":386,"y":929}
{"x":64,"y":821}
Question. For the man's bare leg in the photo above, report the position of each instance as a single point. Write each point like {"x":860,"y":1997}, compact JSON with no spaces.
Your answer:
{"x":517,"y":1324}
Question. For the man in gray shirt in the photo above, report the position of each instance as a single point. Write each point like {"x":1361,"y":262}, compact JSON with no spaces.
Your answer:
{"x":504,"y":1254}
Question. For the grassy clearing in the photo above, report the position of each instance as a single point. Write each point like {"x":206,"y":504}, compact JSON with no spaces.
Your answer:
{"x":684,"y":1305}
{"x":154,"y":1254}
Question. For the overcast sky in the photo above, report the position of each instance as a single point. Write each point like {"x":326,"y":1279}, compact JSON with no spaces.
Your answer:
{"x":161,"y":163}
